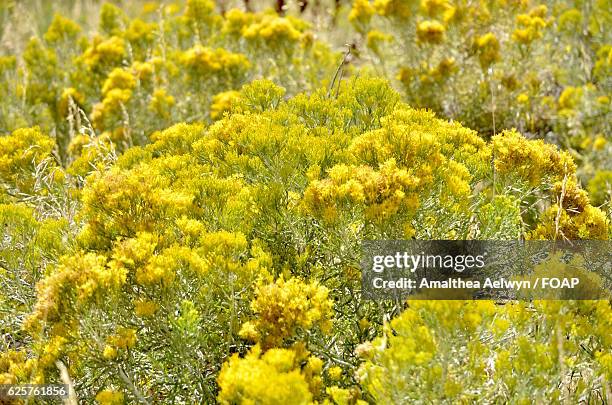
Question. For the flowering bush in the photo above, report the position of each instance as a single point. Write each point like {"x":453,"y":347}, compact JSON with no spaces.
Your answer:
{"x":138,"y":75}
{"x":184,"y":194}
{"x":500,"y":65}
{"x":449,"y":351}
{"x":247,"y":231}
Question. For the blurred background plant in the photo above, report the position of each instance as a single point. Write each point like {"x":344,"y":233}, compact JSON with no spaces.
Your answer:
{"x":124,"y":76}
{"x":540,"y":67}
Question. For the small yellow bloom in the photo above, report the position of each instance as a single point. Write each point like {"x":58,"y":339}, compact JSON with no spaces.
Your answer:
{"x":145,"y":308}
{"x":334,"y":373}
{"x":110,"y":397}
{"x":430,"y":31}
{"x":600,"y":142}
{"x":109,"y":352}
{"x":487,"y":47}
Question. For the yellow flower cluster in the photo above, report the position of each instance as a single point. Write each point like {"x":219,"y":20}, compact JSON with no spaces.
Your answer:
{"x":123,"y":340}
{"x":199,"y":10}
{"x":209,"y":238}
{"x":145,"y":308}
{"x":361,"y":12}
{"x":20,"y":154}
{"x":88,"y":275}
{"x":140,"y":75}
{"x":110,"y":397}
{"x":487,"y":47}
{"x":223,"y":102}
{"x":588,"y":223}
{"x":203,"y":61}
{"x":273,"y":377}
{"x":430,"y":31}
{"x":530,"y":160}
{"x":118,"y":79}
{"x":272,"y":29}
{"x":395,"y":8}
{"x":383,"y":193}
{"x":62,"y":29}
{"x":283,"y":307}
{"x":105,"y":52}
{"x":11,"y":362}
{"x":531,"y":26}
{"x":412,"y":41}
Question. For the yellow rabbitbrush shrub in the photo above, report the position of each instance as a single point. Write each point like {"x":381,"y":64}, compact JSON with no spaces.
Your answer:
{"x":212,"y":238}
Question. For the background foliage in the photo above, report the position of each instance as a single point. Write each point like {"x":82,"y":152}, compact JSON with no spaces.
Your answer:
{"x":185,"y":188}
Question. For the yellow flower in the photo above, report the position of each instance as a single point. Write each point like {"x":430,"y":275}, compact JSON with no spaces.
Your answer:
{"x":531,"y":160}
{"x":118,"y":79}
{"x":430,"y":31}
{"x":199,"y":10}
{"x":570,"y":20}
{"x":600,"y":142}
{"x":236,"y":21}
{"x":334,"y":373}
{"x":284,"y":306}
{"x":109,"y":397}
{"x":361,"y":12}
{"x":539,"y":11}
{"x":105,"y":52}
{"x":223,"y":102}
{"x":270,"y":378}
{"x":52,"y":350}
{"x":207,"y":62}
{"x":394,"y":8}
{"x":487,"y":47}
{"x":273,"y":31}
{"x":570,"y":97}
{"x":532,"y":27}
{"x":125,"y":338}
{"x":109,"y":352}
{"x":159,"y":270}
{"x":112,"y":19}
{"x":145,"y":308}
{"x":500,"y":326}
{"x":444,"y":69}
{"x":140,"y":32}
{"x":62,"y":29}
{"x":20,"y":153}
{"x":434,"y":7}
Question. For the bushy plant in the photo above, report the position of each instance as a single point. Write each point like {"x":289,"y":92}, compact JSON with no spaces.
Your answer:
{"x":185,"y":188}
{"x":138,"y":75}
{"x":539,"y":67}
{"x":213,"y":238}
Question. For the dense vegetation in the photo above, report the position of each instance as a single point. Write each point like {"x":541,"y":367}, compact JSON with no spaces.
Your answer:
{"x":185,"y":190}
